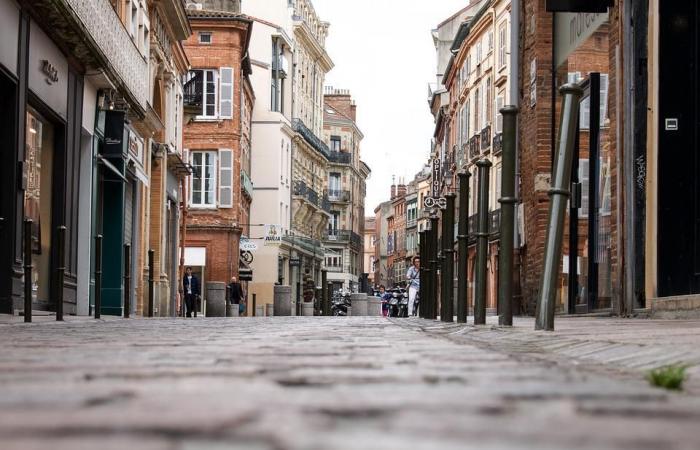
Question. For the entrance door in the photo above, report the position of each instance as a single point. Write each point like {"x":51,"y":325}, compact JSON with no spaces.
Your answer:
{"x":8,"y":190}
{"x":679,"y":149}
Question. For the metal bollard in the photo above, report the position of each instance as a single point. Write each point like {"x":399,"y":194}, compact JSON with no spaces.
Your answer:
{"x":422,"y":273}
{"x":151,"y":290}
{"x":559,"y":193}
{"x":324,"y":292}
{"x":127,"y":280}
{"x":329,"y":295}
{"x":255,"y":304}
{"x":507,"y":201}
{"x":482,"y":243}
{"x":435,"y":266}
{"x":28,"y":270}
{"x":98,"y":276}
{"x":463,"y":248}
{"x":448,"y":261}
{"x":60,"y":270}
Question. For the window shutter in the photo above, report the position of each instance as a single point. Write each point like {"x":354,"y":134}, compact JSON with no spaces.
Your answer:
{"x":226,"y":92}
{"x":583,"y":177}
{"x":603,"y":97}
{"x":499,"y":116}
{"x":225,"y":178}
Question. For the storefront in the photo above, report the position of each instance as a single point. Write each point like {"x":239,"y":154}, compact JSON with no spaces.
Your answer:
{"x":41,"y":139}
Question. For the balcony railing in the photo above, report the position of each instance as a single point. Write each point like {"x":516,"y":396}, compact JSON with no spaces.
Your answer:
{"x":344,"y":237}
{"x":498,"y":144}
{"x":340,"y":157}
{"x":338,"y":196}
{"x":193,"y":91}
{"x":495,"y":221}
{"x":472,"y":225}
{"x":486,"y":138}
{"x":246,"y":184}
{"x":300,"y":189}
{"x":309,"y":136}
{"x":474,"y":147}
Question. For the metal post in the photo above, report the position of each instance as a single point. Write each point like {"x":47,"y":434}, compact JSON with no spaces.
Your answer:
{"x":427,"y":263}
{"x":298,"y":306}
{"x":324,"y":292}
{"x":593,"y":198}
{"x":448,"y":264}
{"x":507,"y":201}
{"x":127,"y":280}
{"x":151,"y":290}
{"x":329,"y":295}
{"x":559,"y":194}
{"x":463,"y":248}
{"x":28,"y":270}
{"x":482,"y":243}
{"x":60,"y":270}
{"x":434,"y":267}
{"x":255,"y":304}
{"x":98,"y":276}
{"x":421,"y":276}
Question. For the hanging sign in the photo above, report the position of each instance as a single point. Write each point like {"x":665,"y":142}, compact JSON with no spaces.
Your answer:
{"x":273,"y":235}
{"x":246,"y":245}
{"x":436,"y":178}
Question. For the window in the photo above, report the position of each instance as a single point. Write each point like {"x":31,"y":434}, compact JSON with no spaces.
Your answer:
{"x":205,"y":37}
{"x":477,"y":112}
{"x":277,"y":78}
{"x":467,"y":117}
{"x":334,"y":185}
{"x":488,"y":101}
{"x":334,"y":223}
{"x":499,"y":116}
{"x":585,"y":112}
{"x":335,"y":143}
{"x":497,"y":187}
{"x":583,"y":177}
{"x":490,"y":41}
{"x":502,"y":44}
{"x":201,"y":91}
{"x":133,"y":29}
{"x":478,"y":53}
{"x":203,"y":188}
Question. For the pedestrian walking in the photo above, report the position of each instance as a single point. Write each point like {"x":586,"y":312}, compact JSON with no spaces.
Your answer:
{"x":236,"y":294}
{"x":413,"y":277}
{"x":190,"y":286}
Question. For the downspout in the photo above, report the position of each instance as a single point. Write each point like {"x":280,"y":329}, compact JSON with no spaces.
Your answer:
{"x":514,"y":93}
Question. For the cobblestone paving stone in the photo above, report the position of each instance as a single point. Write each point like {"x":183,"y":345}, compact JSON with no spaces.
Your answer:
{"x":315,"y":383}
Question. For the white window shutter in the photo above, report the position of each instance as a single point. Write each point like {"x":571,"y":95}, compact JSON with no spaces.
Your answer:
{"x":499,"y":116}
{"x":225,"y":178}
{"x":226,"y":92}
{"x":583,"y":177}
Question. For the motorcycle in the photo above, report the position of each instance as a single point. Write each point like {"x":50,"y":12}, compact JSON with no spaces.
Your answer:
{"x":398,"y":303}
{"x":416,"y":304}
{"x":341,"y":303}
{"x":403,"y":305}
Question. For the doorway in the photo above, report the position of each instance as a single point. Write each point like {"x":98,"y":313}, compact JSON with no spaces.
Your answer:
{"x":8,"y":189}
{"x":38,"y":196}
{"x":679,"y":149}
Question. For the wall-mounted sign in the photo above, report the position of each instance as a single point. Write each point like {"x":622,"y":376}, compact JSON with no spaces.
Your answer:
{"x":50,"y":71}
{"x":294,"y":262}
{"x":578,"y":5}
{"x":273,"y":235}
{"x":247,"y":257}
{"x":436,"y":177}
{"x":432,"y":202}
{"x":246,"y":245}
{"x":571,"y":30}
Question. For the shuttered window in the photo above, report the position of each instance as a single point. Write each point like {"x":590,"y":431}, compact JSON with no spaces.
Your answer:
{"x":499,"y":116}
{"x":226,"y":93}
{"x":203,"y":187}
{"x":225,"y":178}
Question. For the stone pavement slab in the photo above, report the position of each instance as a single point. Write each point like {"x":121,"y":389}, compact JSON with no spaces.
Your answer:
{"x":315,"y":383}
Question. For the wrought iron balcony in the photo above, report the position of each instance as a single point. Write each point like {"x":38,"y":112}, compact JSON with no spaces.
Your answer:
{"x":309,"y":136}
{"x":193,"y":92}
{"x":338,"y":196}
{"x":300,"y":189}
{"x":474,"y":146}
{"x":246,"y":184}
{"x":344,"y":237}
{"x":472,"y":225}
{"x":340,"y":157}
{"x":495,"y":222}
{"x":498,"y":144}
{"x":486,"y":138}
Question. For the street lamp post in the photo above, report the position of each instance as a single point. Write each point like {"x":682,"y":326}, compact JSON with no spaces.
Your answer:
{"x":482,"y":238}
{"x":462,"y":248}
{"x":448,"y":227}
{"x":434,"y":265}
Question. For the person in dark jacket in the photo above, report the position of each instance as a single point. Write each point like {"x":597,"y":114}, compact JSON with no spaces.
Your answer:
{"x":236,"y":294}
{"x":190,"y":286}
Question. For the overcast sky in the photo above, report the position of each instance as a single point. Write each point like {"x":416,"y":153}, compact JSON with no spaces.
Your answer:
{"x":383,"y":52}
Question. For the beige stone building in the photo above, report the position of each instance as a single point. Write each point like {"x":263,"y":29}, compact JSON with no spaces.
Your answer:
{"x":345,"y":189}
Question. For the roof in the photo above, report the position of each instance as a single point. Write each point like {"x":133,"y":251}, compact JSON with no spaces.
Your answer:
{"x":210,"y":14}
{"x":462,"y":33}
{"x":454,"y":15}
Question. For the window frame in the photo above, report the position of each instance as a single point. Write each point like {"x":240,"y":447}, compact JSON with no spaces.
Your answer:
{"x":202,"y":204}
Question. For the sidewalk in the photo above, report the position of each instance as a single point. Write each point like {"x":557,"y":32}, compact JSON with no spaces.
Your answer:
{"x":627,"y":345}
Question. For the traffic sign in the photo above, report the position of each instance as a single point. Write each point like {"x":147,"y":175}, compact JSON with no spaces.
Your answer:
{"x":432,"y":202}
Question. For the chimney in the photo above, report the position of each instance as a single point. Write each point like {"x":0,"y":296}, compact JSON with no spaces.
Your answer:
{"x":401,"y":190}
{"x":393,"y":187}
{"x":353,"y":111}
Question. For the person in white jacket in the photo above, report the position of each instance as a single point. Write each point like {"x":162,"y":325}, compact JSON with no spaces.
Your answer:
{"x":413,"y":278}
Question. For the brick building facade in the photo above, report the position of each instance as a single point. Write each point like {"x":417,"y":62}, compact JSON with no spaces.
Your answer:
{"x":219,"y":97}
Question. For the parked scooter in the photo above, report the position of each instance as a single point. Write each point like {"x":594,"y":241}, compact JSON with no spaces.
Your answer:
{"x":341,"y":303}
{"x":403,"y":305}
{"x":398,"y":303}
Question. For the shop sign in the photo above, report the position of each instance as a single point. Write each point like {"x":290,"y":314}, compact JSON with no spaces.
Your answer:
{"x":247,"y":257}
{"x":294,"y":262}
{"x":135,"y":146}
{"x":571,"y":30}
{"x":246,"y":245}
{"x":273,"y":235}
{"x":436,"y":179}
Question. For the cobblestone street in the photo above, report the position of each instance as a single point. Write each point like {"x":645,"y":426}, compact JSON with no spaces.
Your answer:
{"x":321,"y":383}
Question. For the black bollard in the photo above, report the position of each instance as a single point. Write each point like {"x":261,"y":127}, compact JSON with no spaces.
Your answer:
{"x":421,"y":278}
{"x":329,"y":295}
{"x":28,"y":270}
{"x":463,"y":248}
{"x":482,"y":243}
{"x":151,"y":290}
{"x":448,"y":263}
{"x":255,"y":304}
{"x":435,"y":267}
{"x":127,"y":280}
{"x":60,"y":270}
{"x":324,"y":292}
{"x":98,"y":276}
{"x":507,"y":200}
